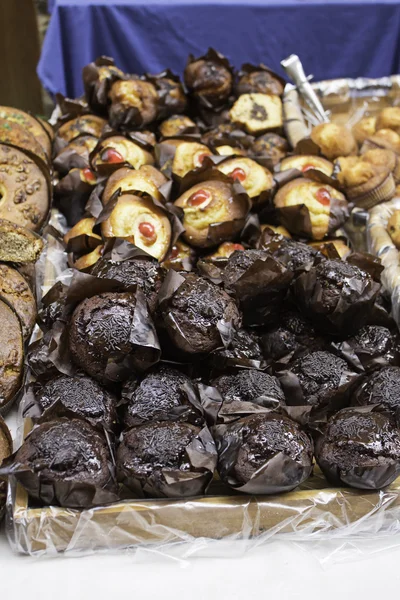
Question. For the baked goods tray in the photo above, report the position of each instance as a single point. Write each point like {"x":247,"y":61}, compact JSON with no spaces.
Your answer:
{"x":313,"y":511}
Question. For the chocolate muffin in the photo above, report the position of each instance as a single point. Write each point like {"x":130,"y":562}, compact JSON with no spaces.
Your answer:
{"x":11,"y":355}
{"x":371,"y":348}
{"x":336,"y":296}
{"x":101,"y":336}
{"x":382,"y":388}
{"x":263,"y":454}
{"x":67,"y":463}
{"x":293,"y":334}
{"x":259,"y":282}
{"x":165,"y":394}
{"x":144,"y":272}
{"x":192,"y":313}
{"x":250,"y":385}
{"x":241,"y":348}
{"x":78,"y":397}
{"x":163,"y":460}
{"x":15,"y":290}
{"x":318,"y":379}
{"x":359,"y":448}
{"x":296,"y":256}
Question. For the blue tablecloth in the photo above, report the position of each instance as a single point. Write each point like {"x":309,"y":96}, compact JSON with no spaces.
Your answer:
{"x":334,"y":38}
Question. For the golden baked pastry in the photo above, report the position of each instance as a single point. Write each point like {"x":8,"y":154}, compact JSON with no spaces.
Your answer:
{"x":177,"y":125}
{"x":75,"y":155}
{"x":147,"y":179}
{"x":18,"y":244}
{"x":16,"y":291}
{"x":364,"y":129}
{"x":11,"y":354}
{"x":389,"y":118}
{"x":84,"y":227}
{"x":209,"y":78}
{"x":16,"y":135}
{"x":306,"y":162}
{"x":333,"y":140}
{"x":276,"y":229}
{"x":207,"y":204}
{"x":85,"y":124}
{"x":393,"y":228}
{"x":118,"y":149}
{"x":86,"y":262}
{"x":181,"y":257}
{"x":253,"y":177}
{"x":133,"y":103}
{"x":187,"y":155}
{"x":141,"y":222}
{"x":340,"y":246}
{"x":257,"y":112}
{"x":367,"y":179}
{"x":226,"y":150}
{"x":259,"y":80}
{"x":327,"y":207}
{"x":224,"y":251}
{"x":24,"y":193}
{"x":384,"y":138}
{"x":28,"y":123}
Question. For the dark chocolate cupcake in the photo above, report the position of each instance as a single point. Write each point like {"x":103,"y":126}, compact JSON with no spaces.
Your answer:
{"x":250,"y":385}
{"x":146,"y":273}
{"x":78,"y":397}
{"x":319,"y":380}
{"x":67,"y":463}
{"x":294,"y":334}
{"x":242,"y":348}
{"x":336,"y":296}
{"x":371,"y":348}
{"x":263,"y":454}
{"x":165,"y":394}
{"x":192,"y":312}
{"x":166,"y":459}
{"x":260,"y":284}
{"x":107,"y":336}
{"x":209,"y":78}
{"x":360,"y":448}
{"x":382,"y":388}
{"x":296,"y":256}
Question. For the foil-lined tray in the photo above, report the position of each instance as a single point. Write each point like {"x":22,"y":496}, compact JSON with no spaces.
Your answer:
{"x":314,"y":511}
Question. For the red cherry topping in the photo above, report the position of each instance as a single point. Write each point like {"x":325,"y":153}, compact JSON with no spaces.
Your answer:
{"x":110,"y":155}
{"x":307,"y":167}
{"x":174,"y":252}
{"x":147,"y":229}
{"x":88,"y":175}
{"x":238,"y":174}
{"x":198,"y":198}
{"x":238,"y":247}
{"x":200,"y":158}
{"x":323,"y":196}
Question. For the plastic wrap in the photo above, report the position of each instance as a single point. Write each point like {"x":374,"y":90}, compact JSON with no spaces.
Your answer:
{"x":209,"y":525}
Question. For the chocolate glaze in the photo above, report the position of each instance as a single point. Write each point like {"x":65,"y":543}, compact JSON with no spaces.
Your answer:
{"x":381,"y":388}
{"x":165,"y":394}
{"x":192,"y":313}
{"x":77,"y":397}
{"x":250,"y":385}
{"x":145,"y":273}
{"x":359,"y":448}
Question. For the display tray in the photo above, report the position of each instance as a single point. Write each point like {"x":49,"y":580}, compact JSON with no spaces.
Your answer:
{"x":312,"y":511}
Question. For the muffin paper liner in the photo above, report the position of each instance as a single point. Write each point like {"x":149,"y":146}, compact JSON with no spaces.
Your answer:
{"x":65,"y":493}
{"x":279,"y":474}
{"x":70,"y":159}
{"x":71,"y":195}
{"x":167,"y":106}
{"x":346,"y":316}
{"x":219,"y":59}
{"x":172,"y":483}
{"x":96,"y":91}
